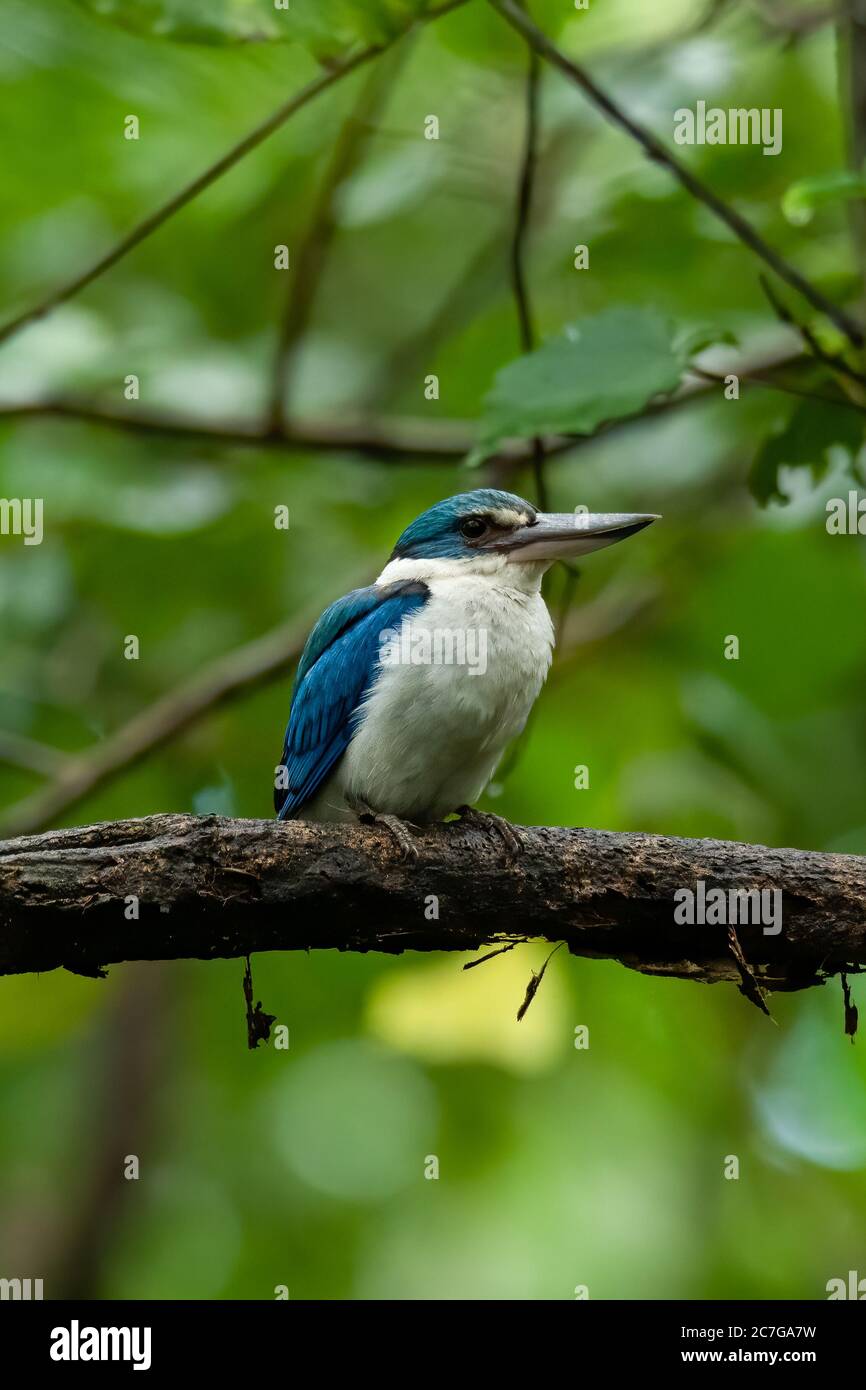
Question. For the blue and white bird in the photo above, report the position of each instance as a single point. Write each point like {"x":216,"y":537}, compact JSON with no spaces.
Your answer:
{"x":409,"y":690}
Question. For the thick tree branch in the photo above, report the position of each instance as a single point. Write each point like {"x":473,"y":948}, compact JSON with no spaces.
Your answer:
{"x":656,"y":151}
{"x":206,"y":887}
{"x":250,"y":141}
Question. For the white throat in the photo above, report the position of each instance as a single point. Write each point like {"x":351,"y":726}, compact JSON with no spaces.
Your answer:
{"x":496,"y":570}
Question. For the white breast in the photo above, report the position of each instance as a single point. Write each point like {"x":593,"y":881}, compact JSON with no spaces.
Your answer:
{"x":434,"y":728}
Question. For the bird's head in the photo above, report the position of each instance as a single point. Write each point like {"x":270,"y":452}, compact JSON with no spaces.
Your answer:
{"x":493,"y":524}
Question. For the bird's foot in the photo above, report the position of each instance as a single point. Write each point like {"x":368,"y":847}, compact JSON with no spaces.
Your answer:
{"x":398,"y":828}
{"x":489,"y":821}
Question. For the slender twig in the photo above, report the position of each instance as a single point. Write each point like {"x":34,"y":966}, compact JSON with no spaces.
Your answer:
{"x":120,"y":1099}
{"x":572,"y":575}
{"x":16,"y":750}
{"x":850,"y":37}
{"x":308,"y":264}
{"x":477,"y":282}
{"x":524,"y":204}
{"x":645,"y":50}
{"x":827,"y":359}
{"x":224,"y":680}
{"x":500,"y":951}
{"x":750,"y":987}
{"x":714,"y":11}
{"x":525,"y":186}
{"x":607,"y":613}
{"x":339,"y":69}
{"x":521,"y":742}
{"x":659,"y":153}
{"x":396,"y":437}
{"x":534,"y":982}
{"x":851,"y":1012}
{"x":258,"y":1022}
{"x":797,"y":24}
{"x":844,"y":402}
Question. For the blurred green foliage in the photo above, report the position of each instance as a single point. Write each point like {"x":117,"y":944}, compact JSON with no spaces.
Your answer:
{"x":305,"y":1167}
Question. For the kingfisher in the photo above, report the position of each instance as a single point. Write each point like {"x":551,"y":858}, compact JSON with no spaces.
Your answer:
{"x":409,"y":690}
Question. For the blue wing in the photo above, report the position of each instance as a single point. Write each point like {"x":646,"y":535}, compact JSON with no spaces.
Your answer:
{"x":337,"y":668}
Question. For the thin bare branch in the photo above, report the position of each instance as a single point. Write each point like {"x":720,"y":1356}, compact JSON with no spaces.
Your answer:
{"x":398,"y":438}
{"x":785,"y":388}
{"x":656,"y":151}
{"x":224,"y":680}
{"x":523,"y":214}
{"x":525,"y":186}
{"x":851,"y":81}
{"x":832,"y":360}
{"x":16,"y":750}
{"x":480,"y":279}
{"x":797,"y":24}
{"x":308,"y":265}
{"x":339,"y":69}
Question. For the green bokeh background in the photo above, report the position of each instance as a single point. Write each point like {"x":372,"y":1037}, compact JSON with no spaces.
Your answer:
{"x":305,"y":1167}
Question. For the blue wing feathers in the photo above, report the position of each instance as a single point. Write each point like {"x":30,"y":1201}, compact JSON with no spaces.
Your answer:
{"x":339,"y":664}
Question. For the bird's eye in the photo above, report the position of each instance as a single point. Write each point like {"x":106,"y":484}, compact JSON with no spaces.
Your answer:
{"x":473,"y":527}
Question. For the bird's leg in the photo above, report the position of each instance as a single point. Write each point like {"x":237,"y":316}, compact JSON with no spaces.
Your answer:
{"x":398,"y":828}
{"x":488,"y":820}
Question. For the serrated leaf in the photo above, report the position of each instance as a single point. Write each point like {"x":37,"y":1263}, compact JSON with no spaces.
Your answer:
{"x":600,"y":368}
{"x":813,"y":429}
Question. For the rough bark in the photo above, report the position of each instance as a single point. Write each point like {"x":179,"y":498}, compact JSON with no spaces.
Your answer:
{"x":212,"y":887}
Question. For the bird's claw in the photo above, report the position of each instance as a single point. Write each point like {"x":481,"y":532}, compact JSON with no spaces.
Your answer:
{"x":397,"y":827}
{"x":488,"y":820}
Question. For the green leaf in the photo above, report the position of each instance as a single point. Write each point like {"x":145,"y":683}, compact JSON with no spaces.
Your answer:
{"x":329,"y":27}
{"x":326,"y":27}
{"x":813,"y":429}
{"x":600,"y":368}
{"x":688,"y":342}
{"x":198,"y":21}
{"x":803,"y":198}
